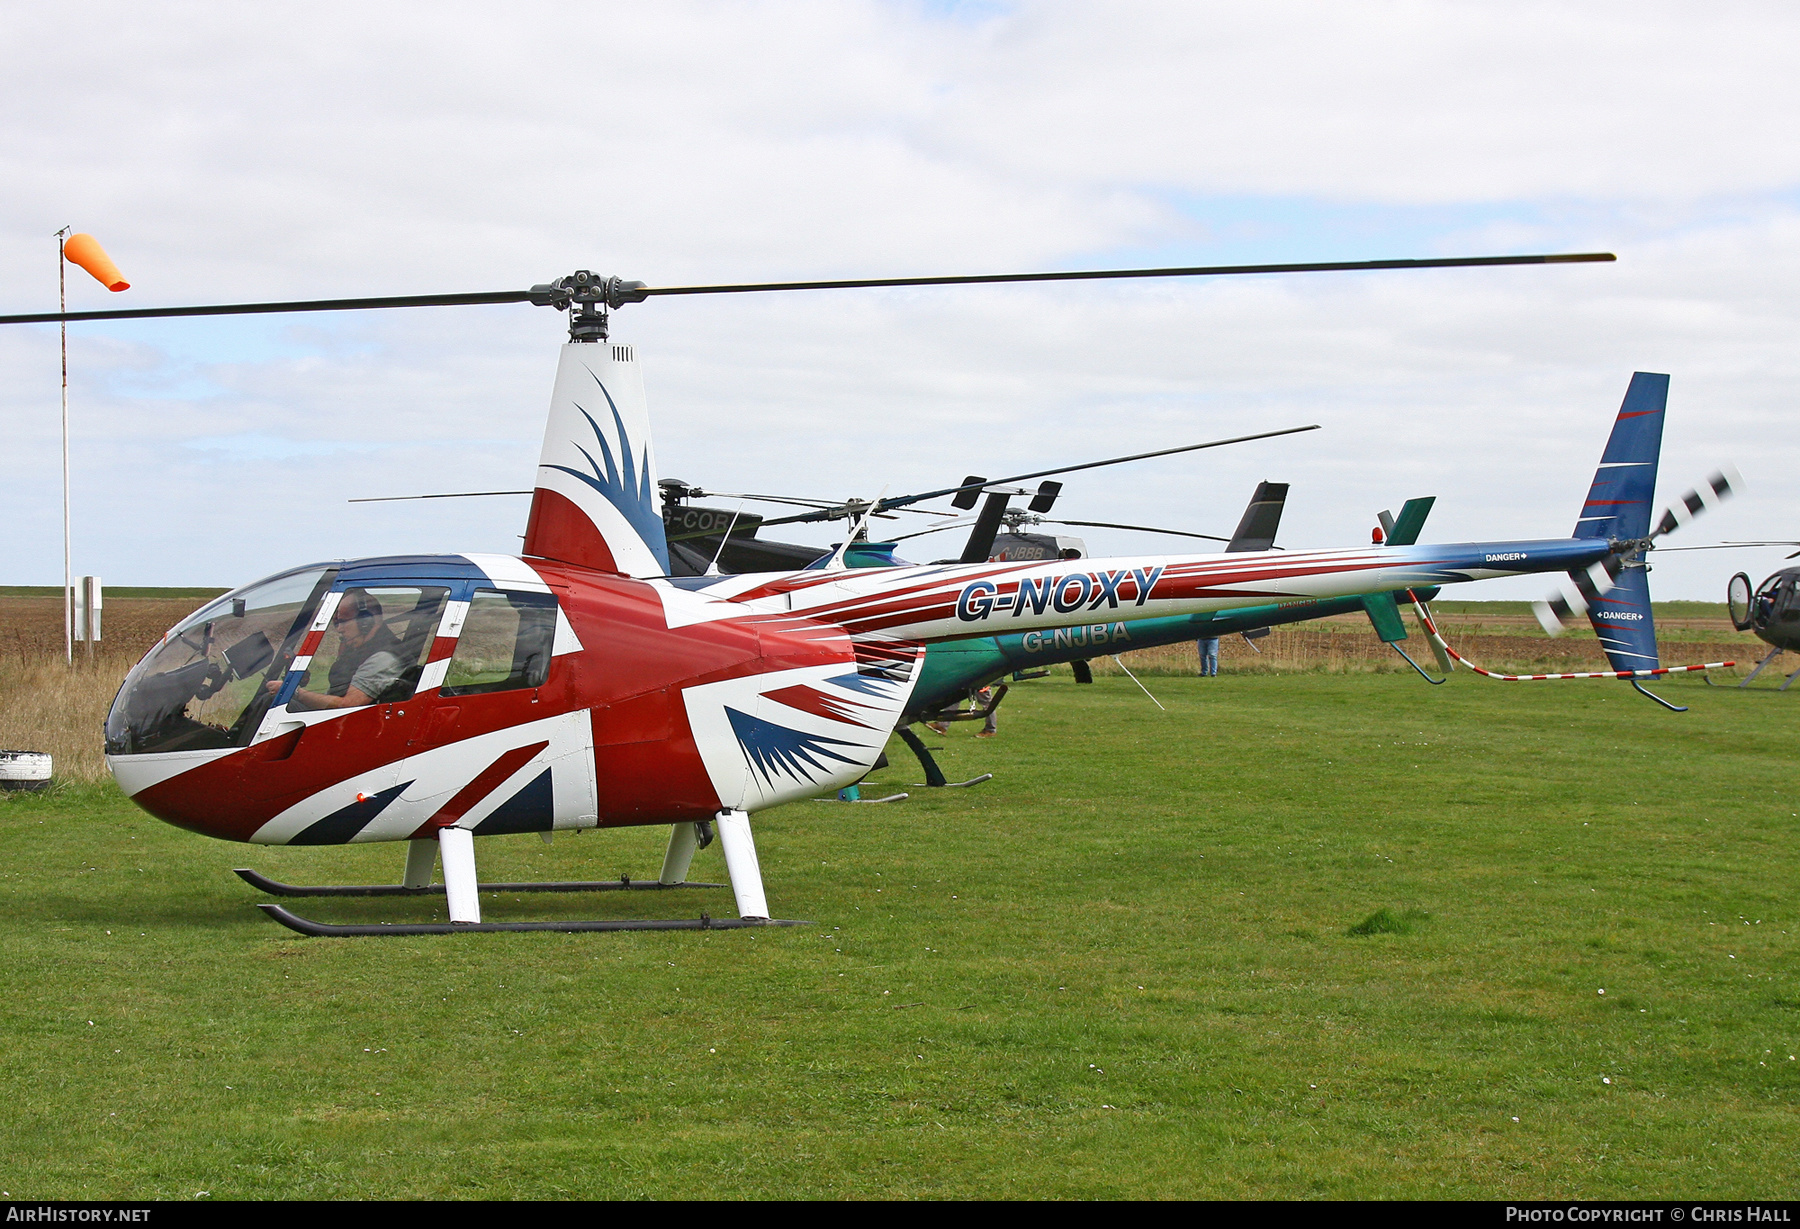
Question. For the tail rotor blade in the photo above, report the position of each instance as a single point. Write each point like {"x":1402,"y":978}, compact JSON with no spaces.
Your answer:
{"x":1719,"y":486}
{"x":1566,"y":610}
{"x":1558,"y":614}
{"x":1554,"y":616}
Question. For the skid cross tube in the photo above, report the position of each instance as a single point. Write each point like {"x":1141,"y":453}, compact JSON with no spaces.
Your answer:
{"x":1773,"y":654}
{"x":934,"y":776}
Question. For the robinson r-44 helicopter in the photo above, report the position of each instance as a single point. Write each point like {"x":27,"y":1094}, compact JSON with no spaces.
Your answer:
{"x":431,"y":699}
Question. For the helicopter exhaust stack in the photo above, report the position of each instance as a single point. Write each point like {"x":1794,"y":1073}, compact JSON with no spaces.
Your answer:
{"x":597,"y":503}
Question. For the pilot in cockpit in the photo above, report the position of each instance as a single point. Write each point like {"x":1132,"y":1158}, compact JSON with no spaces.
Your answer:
{"x":368,"y":661}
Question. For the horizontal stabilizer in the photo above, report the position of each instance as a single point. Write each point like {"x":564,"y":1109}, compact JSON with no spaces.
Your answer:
{"x":1384,"y":614}
{"x":1406,"y":527}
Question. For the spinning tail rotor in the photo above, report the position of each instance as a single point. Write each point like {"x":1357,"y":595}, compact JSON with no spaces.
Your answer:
{"x":1559,"y":613}
{"x":1614,"y":594}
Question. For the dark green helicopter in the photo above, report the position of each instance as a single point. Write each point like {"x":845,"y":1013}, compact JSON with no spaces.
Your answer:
{"x":1771,"y":610}
{"x":963,"y":668}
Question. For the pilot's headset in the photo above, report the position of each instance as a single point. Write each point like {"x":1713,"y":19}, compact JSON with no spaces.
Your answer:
{"x":364,"y":608}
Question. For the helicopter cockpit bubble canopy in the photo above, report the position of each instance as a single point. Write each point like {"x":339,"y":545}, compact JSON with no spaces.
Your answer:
{"x":1777,"y":599}
{"x":204,"y":687}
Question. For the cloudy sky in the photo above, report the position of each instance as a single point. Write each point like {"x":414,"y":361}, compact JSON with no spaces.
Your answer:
{"x":229,"y":152}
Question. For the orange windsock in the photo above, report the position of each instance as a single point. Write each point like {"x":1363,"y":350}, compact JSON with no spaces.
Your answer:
{"x":86,"y":251}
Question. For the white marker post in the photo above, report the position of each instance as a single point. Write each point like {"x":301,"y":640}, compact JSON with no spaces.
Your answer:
{"x":89,"y":597}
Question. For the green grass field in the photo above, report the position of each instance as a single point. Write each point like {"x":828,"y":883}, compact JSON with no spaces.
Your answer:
{"x":1123,"y":968}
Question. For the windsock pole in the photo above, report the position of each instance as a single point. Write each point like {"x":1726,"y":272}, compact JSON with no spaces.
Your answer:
{"x":62,"y":305}
{"x":85,"y":251}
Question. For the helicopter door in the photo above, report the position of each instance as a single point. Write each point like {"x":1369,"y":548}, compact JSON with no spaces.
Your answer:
{"x":498,"y":697}
{"x":350,"y":703}
{"x":1737,"y":601}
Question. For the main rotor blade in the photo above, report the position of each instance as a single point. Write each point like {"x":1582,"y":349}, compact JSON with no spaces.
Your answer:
{"x":840,"y":506}
{"x":921,"y":533}
{"x":639,"y":293}
{"x":771,"y":499}
{"x":298,"y":305}
{"x":899,"y":500}
{"x":1725,"y":546}
{"x":1330,"y":266}
{"x":1178,"y":533}
{"x":388,"y":499}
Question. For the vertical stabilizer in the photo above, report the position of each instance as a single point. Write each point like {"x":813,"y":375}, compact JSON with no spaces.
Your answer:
{"x":1261,"y":519}
{"x":1618,"y":508}
{"x":596,"y":503}
{"x":1618,"y":504}
{"x":1622,"y":619}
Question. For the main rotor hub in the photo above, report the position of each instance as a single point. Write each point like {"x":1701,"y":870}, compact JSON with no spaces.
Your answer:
{"x":586,"y":297}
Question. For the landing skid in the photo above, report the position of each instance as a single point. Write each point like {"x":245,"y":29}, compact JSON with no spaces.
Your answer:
{"x":1773,"y":654}
{"x":462,"y":891}
{"x":622,"y":884}
{"x":934,"y":776}
{"x":329,"y":930}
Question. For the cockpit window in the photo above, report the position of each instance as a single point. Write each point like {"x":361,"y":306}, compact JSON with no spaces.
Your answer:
{"x":204,"y":687}
{"x":1787,"y":608}
{"x":506,"y":643}
{"x":374,"y":649}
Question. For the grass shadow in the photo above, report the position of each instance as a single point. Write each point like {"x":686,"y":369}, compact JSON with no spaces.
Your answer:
{"x":1385,"y":921}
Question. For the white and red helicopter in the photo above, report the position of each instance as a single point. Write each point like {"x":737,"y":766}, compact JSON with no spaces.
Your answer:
{"x":435,"y":698}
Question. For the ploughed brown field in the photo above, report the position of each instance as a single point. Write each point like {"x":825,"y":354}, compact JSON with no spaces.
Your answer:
{"x":46,"y":706}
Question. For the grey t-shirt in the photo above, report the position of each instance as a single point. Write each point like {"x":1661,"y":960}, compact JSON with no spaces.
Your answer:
{"x":380,"y":672}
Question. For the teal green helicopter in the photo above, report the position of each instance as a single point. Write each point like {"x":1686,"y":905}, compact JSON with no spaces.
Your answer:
{"x":962,"y":670}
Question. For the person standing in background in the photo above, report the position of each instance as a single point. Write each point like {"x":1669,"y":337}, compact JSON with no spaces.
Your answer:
{"x":1209,"y":657}
{"x":985,"y":697}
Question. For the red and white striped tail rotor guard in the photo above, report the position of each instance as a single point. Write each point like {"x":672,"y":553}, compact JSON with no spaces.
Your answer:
{"x":1437,"y":638}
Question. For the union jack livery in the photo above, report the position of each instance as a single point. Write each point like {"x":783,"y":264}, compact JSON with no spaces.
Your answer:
{"x":432,"y":699}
